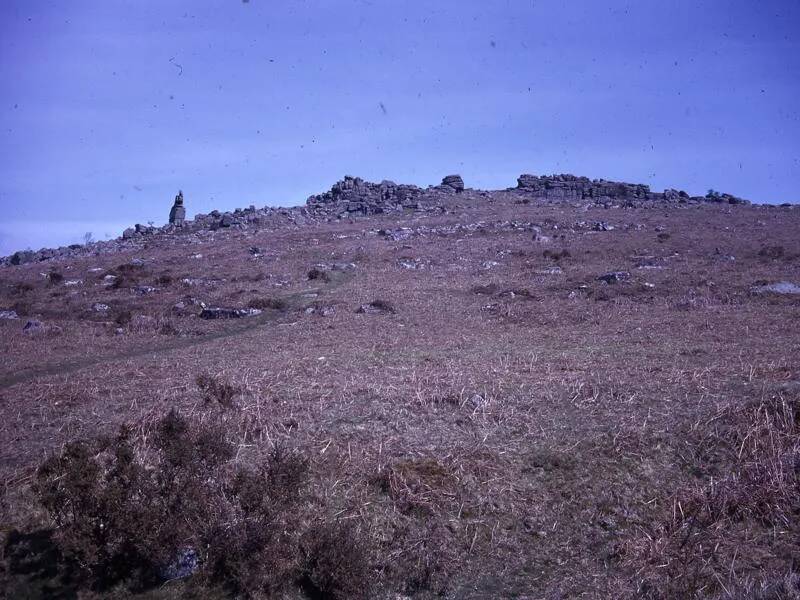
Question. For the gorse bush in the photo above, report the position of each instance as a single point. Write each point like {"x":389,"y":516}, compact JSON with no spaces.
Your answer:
{"x":168,"y":501}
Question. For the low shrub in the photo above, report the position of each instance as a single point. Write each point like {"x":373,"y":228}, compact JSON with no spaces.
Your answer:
{"x":216,"y":389}
{"x":772,"y":252}
{"x":54,"y":278}
{"x":168,"y":502}
{"x":556,"y":254}
{"x":269,"y":304}
{"x":317,"y":274}
{"x":383,"y":305}
{"x":335,"y":562}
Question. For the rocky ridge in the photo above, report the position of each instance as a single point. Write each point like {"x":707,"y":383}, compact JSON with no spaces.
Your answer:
{"x":355,"y":197}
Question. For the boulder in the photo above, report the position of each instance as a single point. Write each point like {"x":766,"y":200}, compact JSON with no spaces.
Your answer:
{"x":455,"y":182}
{"x":780,"y":287}
{"x":614,"y":276}
{"x":33,"y":327}
{"x":228,"y":313}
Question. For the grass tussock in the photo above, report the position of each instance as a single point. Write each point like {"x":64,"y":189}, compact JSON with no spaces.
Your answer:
{"x":739,"y":527}
{"x":269,"y":304}
{"x":383,"y":305}
{"x":317,"y":274}
{"x":217,"y":389}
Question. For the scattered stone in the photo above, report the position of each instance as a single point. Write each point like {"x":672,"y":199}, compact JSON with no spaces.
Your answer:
{"x":539,"y":238}
{"x":489,"y":264}
{"x":780,"y":287}
{"x":228,"y":313}
{"x":614,"y":276}
{"x":343,"y":267}
{"x":554,"y":270}
{"x":8,"y":315}
{"x":177,"y":214}
{"x":413,"y":264}
{"x":96,"y":270}
{"x":255,"y":251}
{"x":143,"y":290}
{"x":100,"y":307}
{"x":193,"y":282}
{"x":33,"y":327}
{"x":602,"y":226}
{"x":137,"y":262}
{"x":186,"y":563}
{"x":109,"y":279}
{"x":73,"y":282}
{"x":397,"y":235}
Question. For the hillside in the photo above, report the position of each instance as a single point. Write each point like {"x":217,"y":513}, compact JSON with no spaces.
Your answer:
{"x":568,"y":388}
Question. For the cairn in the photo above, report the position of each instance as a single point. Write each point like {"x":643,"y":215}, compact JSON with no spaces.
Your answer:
{"x":177,"y":215}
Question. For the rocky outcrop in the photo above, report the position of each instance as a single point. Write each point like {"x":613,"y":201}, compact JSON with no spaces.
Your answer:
{"x":453,"y":182}
{"x":570,"y":187}
{"x":354,"y":196}
{"x":608,"y":193}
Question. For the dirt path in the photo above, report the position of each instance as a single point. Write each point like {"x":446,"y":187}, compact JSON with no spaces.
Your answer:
{"x":237,"y":327}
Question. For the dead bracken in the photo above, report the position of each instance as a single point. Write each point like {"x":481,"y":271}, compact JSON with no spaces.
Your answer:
{"x":404,"y":392}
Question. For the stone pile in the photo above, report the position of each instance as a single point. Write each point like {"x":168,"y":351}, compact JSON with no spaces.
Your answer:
{"x":177,"y":215}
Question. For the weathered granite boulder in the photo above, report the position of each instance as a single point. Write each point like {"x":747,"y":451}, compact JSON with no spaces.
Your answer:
{"x":723,"y":198}
{"x":177,"y":215}
{"x":455,"y":182}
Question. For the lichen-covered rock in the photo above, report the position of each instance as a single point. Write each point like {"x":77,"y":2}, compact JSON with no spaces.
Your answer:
{"x":454,"y":182}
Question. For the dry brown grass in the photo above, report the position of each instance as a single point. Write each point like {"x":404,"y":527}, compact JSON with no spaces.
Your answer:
{"x":486,"y":445}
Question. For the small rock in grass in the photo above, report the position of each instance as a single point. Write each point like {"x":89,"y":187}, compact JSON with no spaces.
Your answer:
{"x":614,"y":276}
{"x":780,"y":287}
{"x":213,"y":312}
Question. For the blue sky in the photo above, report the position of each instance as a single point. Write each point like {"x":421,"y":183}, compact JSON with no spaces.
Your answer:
{"x":108,"y":108}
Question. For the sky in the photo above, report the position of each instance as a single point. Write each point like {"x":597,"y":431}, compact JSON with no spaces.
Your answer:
{"x":108,"y":108}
